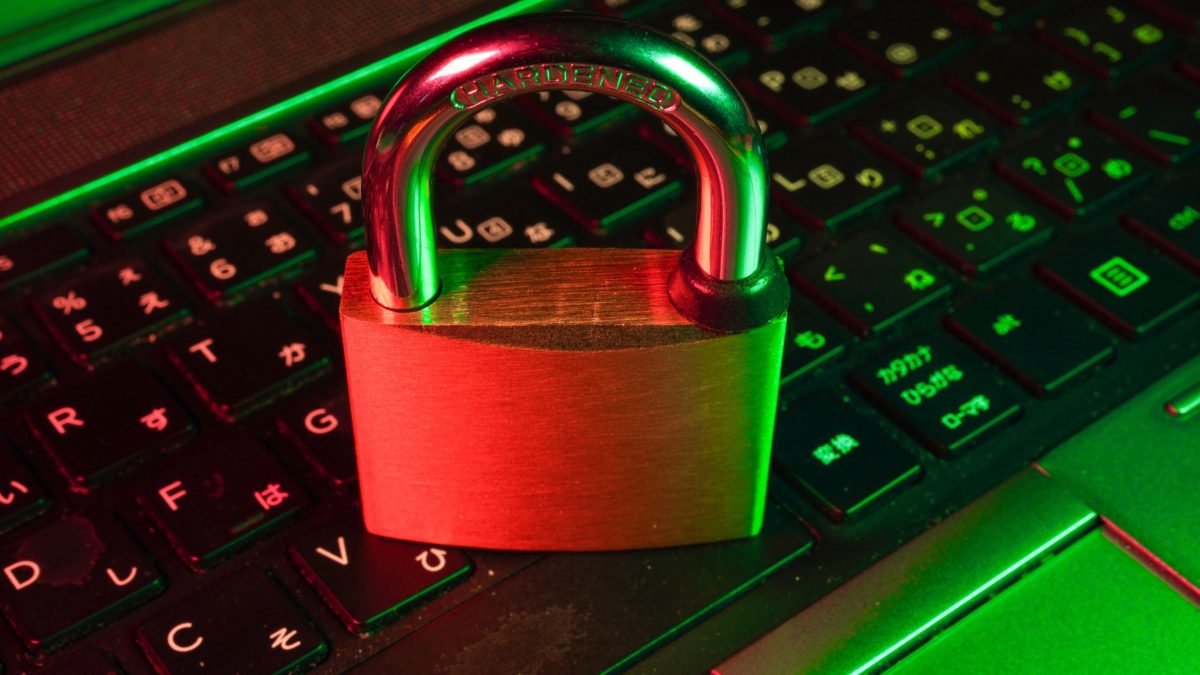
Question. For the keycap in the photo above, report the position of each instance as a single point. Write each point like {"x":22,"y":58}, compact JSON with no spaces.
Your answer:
{"x":332,"y":199}
{"x":1019,"y":83}
{"x":256,"y":162}
{"x":608,"y":608}
{"x":321,"y":291}
{"x":903,"y":39}
{"x":976,"y":224}
{"x":368,"y":580}
{"x":110,"y":308}
{"x":70,"y":576}
{"x":218,"y":497}
{"x":1158,"y":115}
{"x":831,"y":182}
{"x":871,"y":280}
{"x":231,"y":254}
{"x":1121,"y":281}
{"x":147,"y":208}
{"x":22,"y":365}
{"x":697,"y":27}
{"x":813,"y":340}
{"x":349,"y":120}
{"x":677,"y":229}
{"x":492,"y":143}
{"x":508,"y":216}
{"x":241,"y":358}
{"x":319,"y":426}
{"x":811,"y":82}
{"x":570,"y":114}
{"x":30,"y":255}
{"x":606,"y":187}
{"x":108,"y":422}
{"x":242,"y":623}
{"x":841,"y":460}
{"x":1033,"y":335}
{"x":996,"y":15}
{"x":939,"y":391}
{"x":90,"y":661}
{"x":1112,"y":39}
{"x":927,"y":132}
{"x":22,"y":497}
{"x":1171,"y":221}
{"x":1074,"y":170}
{"x":773,"y":24}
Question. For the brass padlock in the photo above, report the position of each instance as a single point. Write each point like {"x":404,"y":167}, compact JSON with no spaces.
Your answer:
{"x":563,"y":399}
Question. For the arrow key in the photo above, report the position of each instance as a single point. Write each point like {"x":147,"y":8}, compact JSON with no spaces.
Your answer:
{"x":368,"y":580}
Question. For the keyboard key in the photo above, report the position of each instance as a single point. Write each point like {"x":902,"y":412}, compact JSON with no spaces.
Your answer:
{"x":832,"y":182}
{"x":772,"y":23}
{"x":333,"y":200}
{"x":1020,"y":84}
{"x":1033,"y":335}
{"x":90,"y":661}
{"x":321,"y":291}
{"x":109,"y":309}
{"x":697,"y":27}
{"x":108,"y":422}
{"x":22,"y":366}
{"x":841,"y":459}
{"x":147,"y":208}
{"x":1074,"y":170}
{"x":69,"y":577}
{"x":571,"y":114}
{"x":938,"y":390}
{"x":217,"y":498}
{"x":927,"y":132}
{"x":258,"y":161}
{"x":871,"y":280}
{"x":810,"y":83}
{"x":319,"y":426}
{"x":348,"y":121}
{"x":242,"y":623}
{"x":903,"y":39}
{"x":975,"y":224}
{"x":493,"y":143}
{"x":1121,"y":281}
{"x":1171,"y":221}
{"x":813,"y":340}
{"x":368,"y":580}
{"x":608,"y":186}
{"x":31,"y":255}
{"x":244,"y":357}
{"x":996,"y":15}
{"x":1112,"y":39}
{"x":509,"y":216}
{"x":22,"y":497}
{"x":1157,"y":115}
{"x":677,"y":229}
{"x":228,"y":255}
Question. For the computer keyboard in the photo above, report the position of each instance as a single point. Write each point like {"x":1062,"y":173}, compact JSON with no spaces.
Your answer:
{"x":987,"y":211}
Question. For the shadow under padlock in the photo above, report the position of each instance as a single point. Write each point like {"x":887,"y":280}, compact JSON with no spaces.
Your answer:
{"x":658,"y":371}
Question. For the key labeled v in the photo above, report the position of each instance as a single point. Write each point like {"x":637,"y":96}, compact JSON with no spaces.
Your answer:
{"x":342,"y":558}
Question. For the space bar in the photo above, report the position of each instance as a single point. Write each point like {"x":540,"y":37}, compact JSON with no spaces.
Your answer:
{"x":891,"y":608}
{"x":585,"y":613}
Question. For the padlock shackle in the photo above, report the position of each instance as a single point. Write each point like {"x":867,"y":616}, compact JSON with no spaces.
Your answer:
{"x":560,"y":51}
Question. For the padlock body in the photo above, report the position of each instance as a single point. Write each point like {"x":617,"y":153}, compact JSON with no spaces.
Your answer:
{"x":555,"y":400}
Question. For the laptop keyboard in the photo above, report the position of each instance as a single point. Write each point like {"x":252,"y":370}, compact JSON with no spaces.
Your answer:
{"x":986,"y":209}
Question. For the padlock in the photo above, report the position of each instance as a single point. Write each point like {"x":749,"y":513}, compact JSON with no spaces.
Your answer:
{"x":573,"y":398}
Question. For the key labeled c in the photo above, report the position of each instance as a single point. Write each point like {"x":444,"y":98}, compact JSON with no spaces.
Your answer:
{"x":180,"y":648}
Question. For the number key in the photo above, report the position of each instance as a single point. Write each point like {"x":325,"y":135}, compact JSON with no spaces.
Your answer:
{"x":333,"y":200}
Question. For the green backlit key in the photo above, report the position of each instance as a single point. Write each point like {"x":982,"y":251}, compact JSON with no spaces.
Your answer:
{"x":976,"y":224}
{"x":810,"y":82}
{"x":832,"y":182}
{"x":904,"y":39}
{"x":838,"y":457}
{"x":996,"y":15}
{"x":1122,"y":282}
{"x":1019,"y":83}
{"x":1171,"y":221}
{"x":938,"y":390}
{"x":1112,"y":39}
{"x":813,"y":340}
{"x":1160,"y":116}
{"x":1035,"y":336}
{"x":1074,"y":170}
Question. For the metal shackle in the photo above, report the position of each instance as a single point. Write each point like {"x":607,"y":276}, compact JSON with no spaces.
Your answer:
{"x":600,"y":54}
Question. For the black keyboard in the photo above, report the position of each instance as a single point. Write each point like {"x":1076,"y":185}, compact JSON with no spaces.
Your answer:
{"x":987,"y":211}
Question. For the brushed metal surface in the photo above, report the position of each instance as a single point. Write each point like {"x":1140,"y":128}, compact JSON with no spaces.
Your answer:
{"x":592,"y":415}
